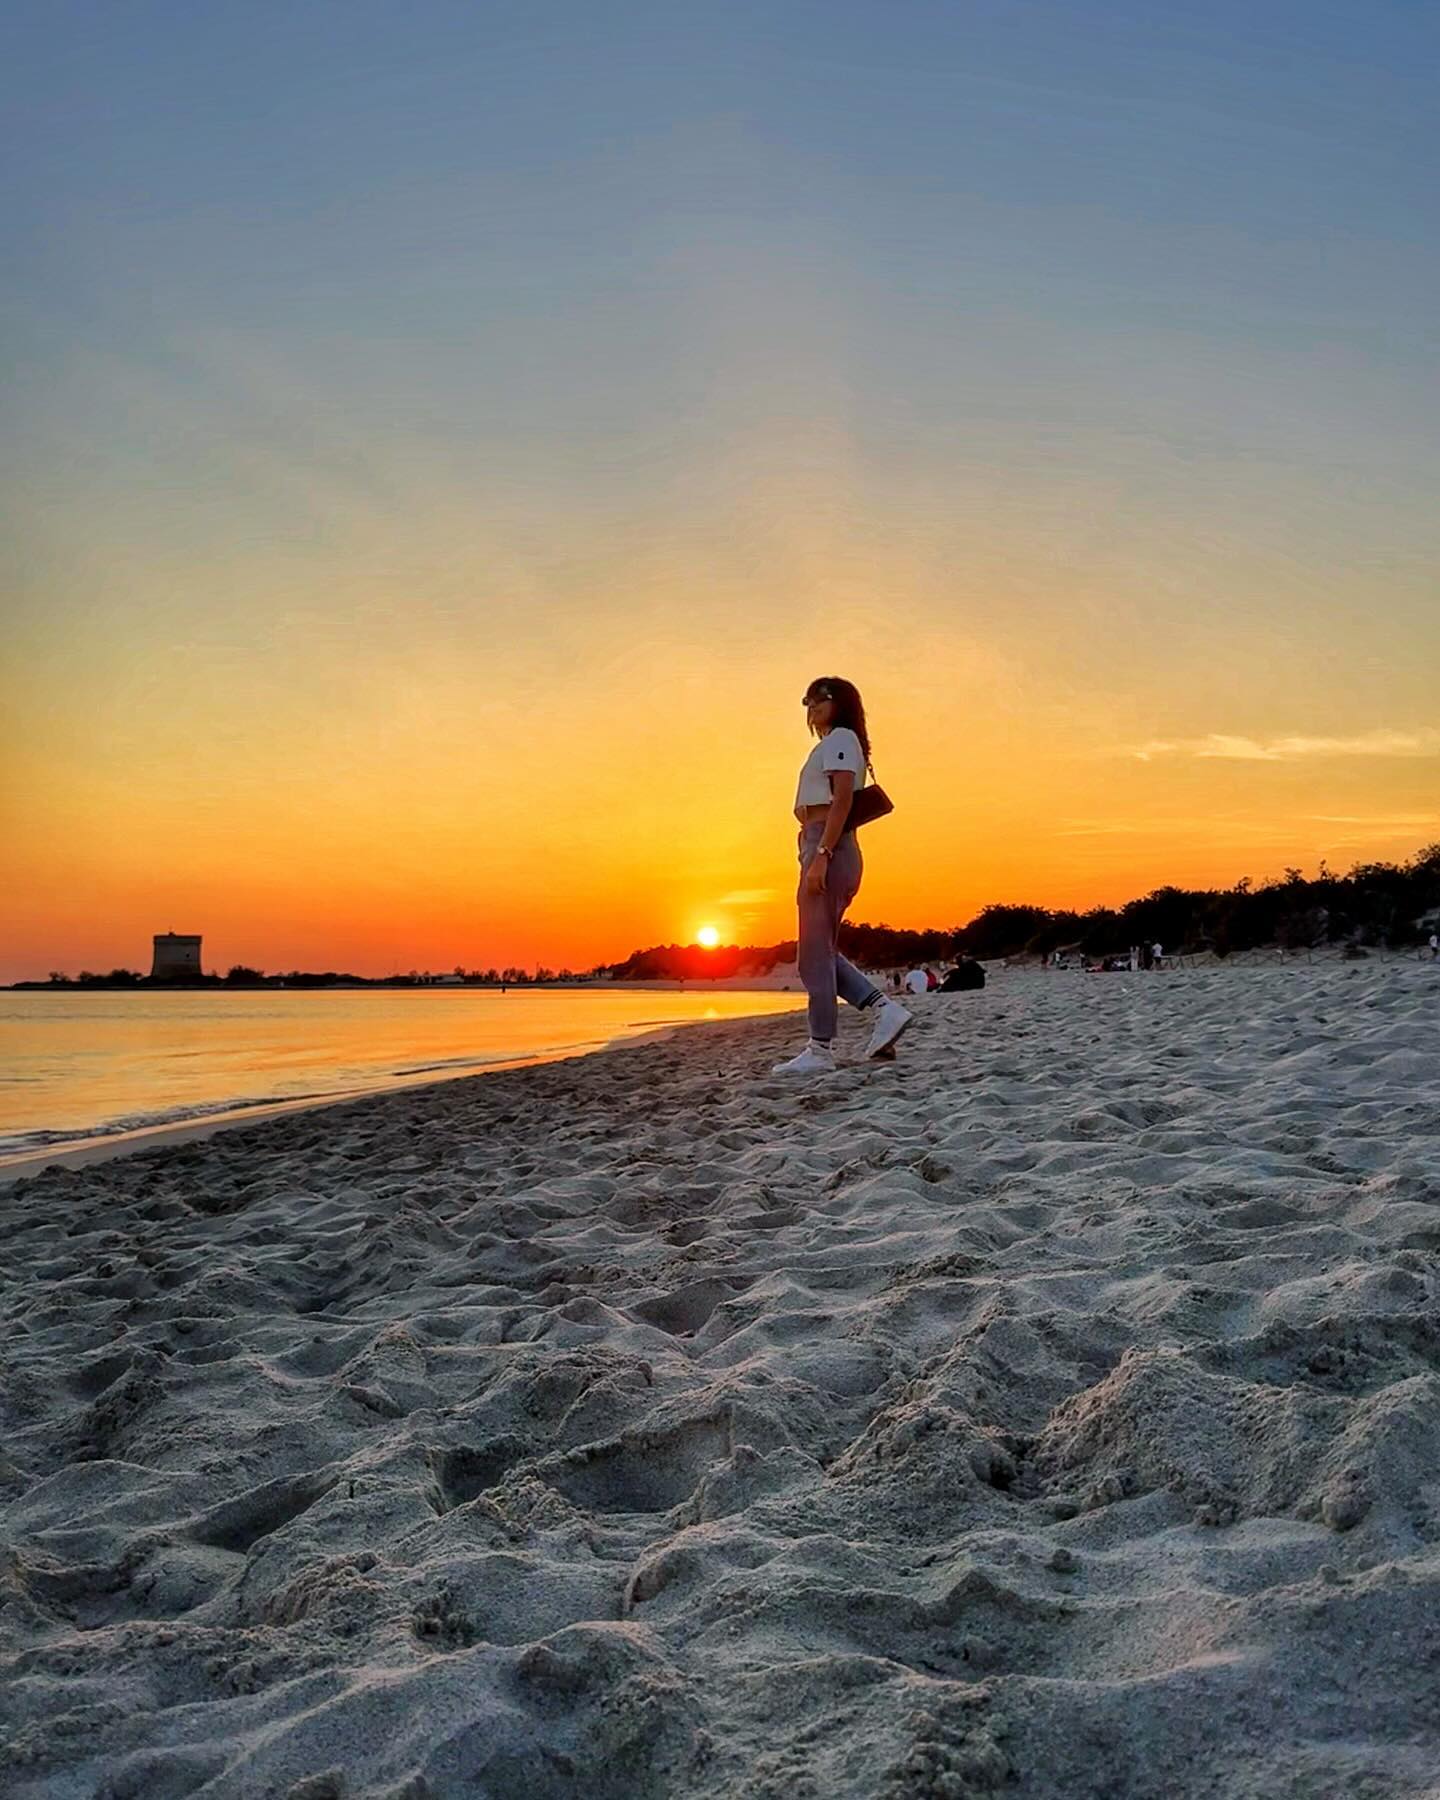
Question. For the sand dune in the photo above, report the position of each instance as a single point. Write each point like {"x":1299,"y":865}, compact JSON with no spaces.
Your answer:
{"x":1055,"y":1412}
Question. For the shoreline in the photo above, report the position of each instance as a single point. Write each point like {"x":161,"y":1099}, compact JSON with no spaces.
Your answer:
{"x":730,"y":984}
{"x":22,"y":1165}
{"x":25,"y":1164}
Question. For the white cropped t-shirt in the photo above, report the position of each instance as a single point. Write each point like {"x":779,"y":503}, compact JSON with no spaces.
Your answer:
{"x":838,"y":749}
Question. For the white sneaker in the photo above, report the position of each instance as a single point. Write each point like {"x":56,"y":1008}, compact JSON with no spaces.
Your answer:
{"x":891,"y":1019}
{"x":814,"y":1059}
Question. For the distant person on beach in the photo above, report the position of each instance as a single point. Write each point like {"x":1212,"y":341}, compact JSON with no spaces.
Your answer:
{"x":830,"y":871}
{"x":917,"y":982}
{"x":1434,"y":946}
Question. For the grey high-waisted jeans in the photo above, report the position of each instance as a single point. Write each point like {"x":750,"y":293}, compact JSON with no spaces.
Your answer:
{"x":824,"y":971}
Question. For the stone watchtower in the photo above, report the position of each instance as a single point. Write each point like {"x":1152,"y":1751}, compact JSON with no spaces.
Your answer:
{"x":177,"y":958}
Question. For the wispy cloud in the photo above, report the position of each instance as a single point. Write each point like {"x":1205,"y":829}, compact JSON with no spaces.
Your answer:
{"x":1344,"y":831}
{"x":748,"y":897}
{"x":1221,"y":827}
{"x":1225,"y":829}
{"x":1381,"y":821}
{"x":1222,"y":747}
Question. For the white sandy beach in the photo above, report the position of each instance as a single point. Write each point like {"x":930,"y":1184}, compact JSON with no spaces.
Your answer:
{"x":1055,"y":1412}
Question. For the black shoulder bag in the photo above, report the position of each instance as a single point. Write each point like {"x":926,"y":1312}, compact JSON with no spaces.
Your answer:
{"x":870,"y":802}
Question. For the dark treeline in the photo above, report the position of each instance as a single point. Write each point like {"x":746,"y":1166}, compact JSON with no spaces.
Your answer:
{"x":1391,"y":904}
{"x":692,"y":962}
{"x":869,"y":946}
{"x":243,"y":977}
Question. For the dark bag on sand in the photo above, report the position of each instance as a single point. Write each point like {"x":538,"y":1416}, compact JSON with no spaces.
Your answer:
{"x":869,"y":803}
{"x":964,"y":978}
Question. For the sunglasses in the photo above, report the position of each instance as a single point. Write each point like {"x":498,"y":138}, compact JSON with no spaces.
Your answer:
{"x":816,"y":698}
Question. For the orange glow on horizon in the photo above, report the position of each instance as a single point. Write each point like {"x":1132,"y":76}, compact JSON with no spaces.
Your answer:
{"x":346,"y":785}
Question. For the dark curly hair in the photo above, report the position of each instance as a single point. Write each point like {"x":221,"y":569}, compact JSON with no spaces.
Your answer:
{"x":849,"y":707}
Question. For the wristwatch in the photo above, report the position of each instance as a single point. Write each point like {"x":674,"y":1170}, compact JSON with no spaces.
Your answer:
{"x":821,"y":850}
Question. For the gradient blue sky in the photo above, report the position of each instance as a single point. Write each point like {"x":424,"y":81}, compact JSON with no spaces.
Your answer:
{"x":402,"y":389}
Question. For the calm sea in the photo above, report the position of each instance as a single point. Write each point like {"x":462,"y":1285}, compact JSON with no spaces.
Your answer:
{"x":74,"y":1066}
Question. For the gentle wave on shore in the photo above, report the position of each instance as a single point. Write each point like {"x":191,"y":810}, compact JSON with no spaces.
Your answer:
{"x":77,"y":1066}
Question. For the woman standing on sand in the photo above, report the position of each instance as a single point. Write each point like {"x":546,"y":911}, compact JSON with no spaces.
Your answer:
{"x":830,"y":870}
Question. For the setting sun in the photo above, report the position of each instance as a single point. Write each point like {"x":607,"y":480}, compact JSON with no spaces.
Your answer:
{"x":708,"y":936}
